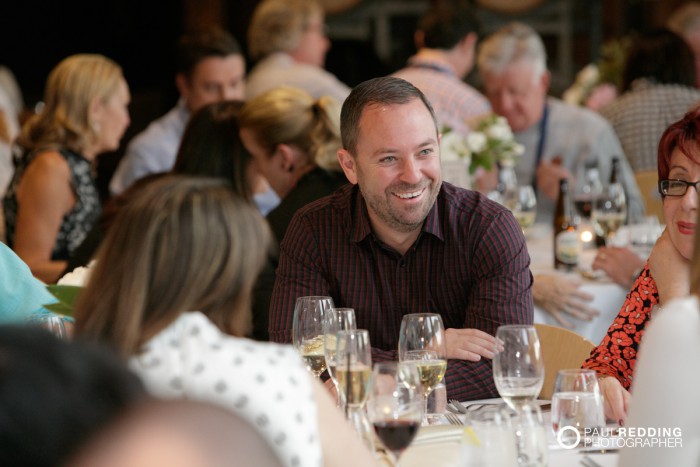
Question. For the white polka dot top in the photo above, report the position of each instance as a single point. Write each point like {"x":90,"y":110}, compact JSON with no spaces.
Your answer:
{"x":265,"y":383}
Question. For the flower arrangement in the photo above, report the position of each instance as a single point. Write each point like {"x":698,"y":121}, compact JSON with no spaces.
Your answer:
{"x":492,"y":142}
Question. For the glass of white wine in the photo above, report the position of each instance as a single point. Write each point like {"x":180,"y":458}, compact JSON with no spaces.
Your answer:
{"x":353,"y":359}
{"x":335,"y":319}
{"x":307,"y":331}
{"x":422,"y":341}
{"x":609,"y":211}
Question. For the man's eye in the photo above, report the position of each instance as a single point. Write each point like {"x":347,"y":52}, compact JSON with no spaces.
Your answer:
{"x":387,"y":159}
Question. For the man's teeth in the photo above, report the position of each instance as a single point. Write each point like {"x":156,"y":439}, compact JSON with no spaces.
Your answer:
{"x":408,"y":195}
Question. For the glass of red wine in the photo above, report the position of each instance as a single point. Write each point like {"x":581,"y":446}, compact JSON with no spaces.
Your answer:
{"x":395,"y":405}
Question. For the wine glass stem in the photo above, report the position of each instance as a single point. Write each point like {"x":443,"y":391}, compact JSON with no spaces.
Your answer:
{"x":426,"y":419}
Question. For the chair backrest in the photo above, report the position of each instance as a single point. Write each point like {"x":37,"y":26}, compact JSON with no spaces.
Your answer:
{"x":561,"y":349}
{"x":647,"y":181}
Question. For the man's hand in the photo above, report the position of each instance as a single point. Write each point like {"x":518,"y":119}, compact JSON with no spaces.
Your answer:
{"x":469,"y":344}
{"x":669,"y":269}
{"x":548,"y":176}
{"x":619,"y":264}
{"x":558,"y":295}
{"x":616,"y":399}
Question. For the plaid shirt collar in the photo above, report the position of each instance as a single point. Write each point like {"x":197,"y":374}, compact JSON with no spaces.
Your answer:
{"x":361,"y":228}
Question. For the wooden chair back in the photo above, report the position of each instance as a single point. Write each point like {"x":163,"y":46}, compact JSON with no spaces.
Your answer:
{"x":647,"y":181}
{"x":561,"y":349}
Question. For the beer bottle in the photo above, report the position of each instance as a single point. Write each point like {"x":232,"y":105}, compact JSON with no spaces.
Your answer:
{"x":566,"y":242}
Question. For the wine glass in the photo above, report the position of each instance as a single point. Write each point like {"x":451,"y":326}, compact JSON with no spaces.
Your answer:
{"x":335,"y":319}
{"x":307,"y":331}
{"x":609,"y":211}
{"x":524,"y":206}
{"x":395,"y":405}
{"x":577,"y":402}
{"x":518,"y":370}
{"x":50,"y":322}
{"x":422,"y":340}
{"x":353,"y":369}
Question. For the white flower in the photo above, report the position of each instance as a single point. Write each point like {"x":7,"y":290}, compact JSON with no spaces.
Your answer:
{"x":499,"y":130}
{"x":476,"y":141}
{"x":454,"y":146}
{"x":589,"y":75}
{"x":518,"y":149}
{"x":78,"y":277}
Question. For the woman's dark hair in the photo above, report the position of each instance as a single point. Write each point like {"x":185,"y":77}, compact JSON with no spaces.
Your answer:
{"x":211,"y":147}
{"x":661,"y":56}
{"x":55,"y":394}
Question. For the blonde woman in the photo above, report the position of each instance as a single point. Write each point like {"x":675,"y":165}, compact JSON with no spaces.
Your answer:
{"x":52,"y":201}
{"x":171,"y":291}
{"x":293,"y":139}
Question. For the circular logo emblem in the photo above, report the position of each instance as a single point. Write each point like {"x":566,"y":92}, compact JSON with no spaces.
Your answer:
{"x":567,"y":443}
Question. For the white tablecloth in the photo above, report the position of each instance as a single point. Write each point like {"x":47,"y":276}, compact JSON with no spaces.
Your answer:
{"x":608,"y":296}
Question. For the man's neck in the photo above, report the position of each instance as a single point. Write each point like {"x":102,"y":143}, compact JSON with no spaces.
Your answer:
{"x":436,"y":56}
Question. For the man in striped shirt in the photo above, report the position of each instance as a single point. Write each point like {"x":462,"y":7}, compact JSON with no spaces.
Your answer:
{"x":398,"y":241}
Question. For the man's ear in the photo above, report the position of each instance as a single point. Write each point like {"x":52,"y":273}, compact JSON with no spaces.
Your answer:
{"x":545,"y":80}
{"x":347,"y":162}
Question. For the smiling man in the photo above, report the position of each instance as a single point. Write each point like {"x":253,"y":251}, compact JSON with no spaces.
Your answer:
{"x":398,"y":240}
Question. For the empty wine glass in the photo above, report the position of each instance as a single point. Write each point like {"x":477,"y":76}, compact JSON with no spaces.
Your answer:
{"x":353,"y":371}
{"x":335,"y":319}
{"x":609,"y":211}
{"x":524,"y":206}
{"x":518,"y":372}
{"x":395,"y":405}
{"x":577,"y":405}
{"x":307,"y":331}
{"x":50,"y":322}
{"x":422,"y":340}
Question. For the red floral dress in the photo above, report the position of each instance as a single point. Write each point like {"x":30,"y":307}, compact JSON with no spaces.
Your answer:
{"x":617,"y":354}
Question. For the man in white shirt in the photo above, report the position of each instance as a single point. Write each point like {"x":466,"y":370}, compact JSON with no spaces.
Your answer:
{"x":211,"y":68}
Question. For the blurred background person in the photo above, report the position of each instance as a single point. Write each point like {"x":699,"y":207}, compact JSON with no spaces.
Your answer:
{"x":21,"y":294}
{"x":685,"y":21}
{"x":657,"y":90}
{"x":52,"y":201}
{"x":293,"y":139}
{"x":665,"y":276}
{"x":288,"y":40}
{"x":56,"y":394}
{"x":210,"y":68}
{"x":177,"y":434}
{"x":559,"y":138}
{"x":171,"y":291}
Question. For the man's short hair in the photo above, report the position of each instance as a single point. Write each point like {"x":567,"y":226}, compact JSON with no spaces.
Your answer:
{"x":386,"y":90}
{"x":445,"y":24}
{"x":195,"y":46}
{"x":512,"y":43}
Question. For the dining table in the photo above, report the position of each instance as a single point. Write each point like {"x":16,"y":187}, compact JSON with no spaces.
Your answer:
{"x":442,"y":444}
{"x":608,"y":296}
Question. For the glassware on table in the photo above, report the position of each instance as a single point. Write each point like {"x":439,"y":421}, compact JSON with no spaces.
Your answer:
{"x":518,"y":369}
{"x":50,"y":322}
{"x":494,"y":439}
{"x":531,"y":436}
{"x":524,"y":206}
{"x":422,"y":340}
{"x":335,"y":319}
{"x":518,"y":372}
{"x":395,"y":405}
{"x":609,"y":211}
{"x":353,"y":370}
{"x":576,"y":402}
{"x":307,"y":331}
